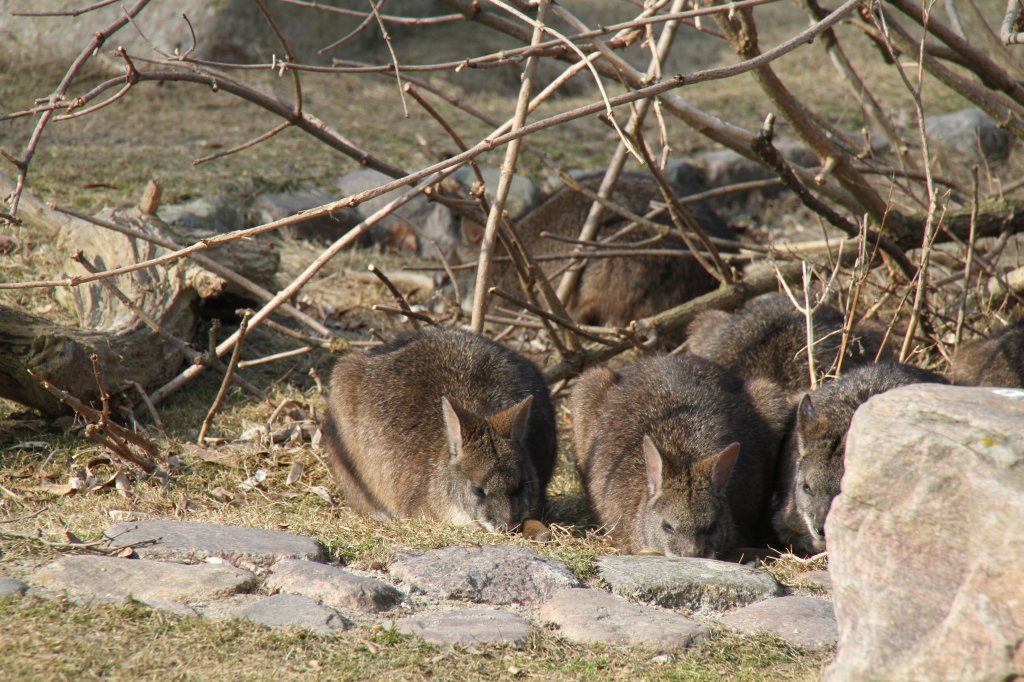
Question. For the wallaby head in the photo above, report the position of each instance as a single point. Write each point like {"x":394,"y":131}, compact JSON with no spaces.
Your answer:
{"x":493,"y":482}
{"x":821,"y":444}
{"x":822,"y":421}
{"x":686,"y":512}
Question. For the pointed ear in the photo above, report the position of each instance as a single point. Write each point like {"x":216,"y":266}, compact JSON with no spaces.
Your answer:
{"x":513,"y":422}
{"x":724,"y":462}
{"x":805,"y":411}
{"x":453,"y":428}
{"x":653,"y":464}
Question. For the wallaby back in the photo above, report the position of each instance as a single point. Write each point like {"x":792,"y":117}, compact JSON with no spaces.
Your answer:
{"x":812,"y":467}
{"x":767,"y":338}
{"x":674,"y":456}
{"x":995,"y":361}
{"x":443,"y":424}
{"x":613,"y":290}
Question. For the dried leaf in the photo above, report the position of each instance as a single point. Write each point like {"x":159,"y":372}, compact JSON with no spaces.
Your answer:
{"x":122,"y":484}
{"x":254,"y":481}
{"x":224,"y":458}
{"x":221,"y":494}
{"x":315,"y":440}
{"x":126,"y":553}
{"x":58,"y":489}
{"x":295,"y":473}
{"x":320,"y":491}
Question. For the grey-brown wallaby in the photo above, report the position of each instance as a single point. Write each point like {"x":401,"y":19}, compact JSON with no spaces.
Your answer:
{"x":995,"y":361}
{"x":613,"y":290}
{"x":675,"y":456}
{"x":812,"y":464}
{"x":443,"y":424}
{"x":767,"y":338}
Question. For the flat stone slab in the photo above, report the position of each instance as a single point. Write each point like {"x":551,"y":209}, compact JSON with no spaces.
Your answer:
{"x":801,"y":621}
{"x":284,"y":610}
{"x":101,"y":576}
{"x":332,"y":585}
{"x":822,"y":579}
{"x":11,"y":587}
{"x":492,"y":574}
{"x":467,"y":626}
{"x":687,"y":583}
{"x":194,"y":542}
{"x":594,"y":616}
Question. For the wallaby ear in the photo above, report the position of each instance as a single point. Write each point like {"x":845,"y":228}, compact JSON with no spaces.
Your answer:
{"x":805,"y":412}
{"x":653,"y":463}
{"x":724,"y":462}
{"x":453,"y":428}
{"x":513,"y":422}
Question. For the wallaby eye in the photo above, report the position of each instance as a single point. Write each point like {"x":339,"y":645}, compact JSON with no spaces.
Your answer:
{"x":479,"y":492}
{"x":807,"y":488}
{"x":667,"y":527}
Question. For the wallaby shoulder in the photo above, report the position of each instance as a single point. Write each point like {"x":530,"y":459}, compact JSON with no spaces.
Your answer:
{"x":994,"y":361}
{"x":767,"y":338}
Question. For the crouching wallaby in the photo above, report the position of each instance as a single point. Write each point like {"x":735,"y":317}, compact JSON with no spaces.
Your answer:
{"x":767,"y":338}
{"x":995,"y":361}
{"x":674,"y":456}
{"x":812,"y":464}
{"x":612,"y":290}
{"x":441,"y":424}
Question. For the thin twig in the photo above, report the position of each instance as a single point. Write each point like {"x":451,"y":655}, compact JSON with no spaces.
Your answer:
{"x":232,"y":364}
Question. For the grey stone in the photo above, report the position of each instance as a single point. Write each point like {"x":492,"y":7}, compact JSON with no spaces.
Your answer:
{"x":283,"y":610}
{"x":208,"y":215}
{"x":490,"y":574}
{"x":688,"y":583}
{"x":926,"y":538}
{"x":192,"y":542}
{"x":228,"y":30}
{"x":12,"y":587}
{"x":410,"y":227}
{"x":726,"y":167}
{"x":523,"y":194}
{"x":100,"y":576}
{"x":332,"y":585}
{"x":594,"y":616}
{"x":807,"y":622}
{"x":270,"y":207}
{"x":970,"y":132}
{"x":467,"y":626}
{"x":820,"y":579}
{"x":171,"y":607}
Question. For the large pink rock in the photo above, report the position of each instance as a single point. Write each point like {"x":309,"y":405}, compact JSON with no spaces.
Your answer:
{"x":926,"y":540}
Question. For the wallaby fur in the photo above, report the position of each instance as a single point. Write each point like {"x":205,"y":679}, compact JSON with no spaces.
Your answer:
{"x":995,"y":361}
{"x":611,"y":290}
{"x":812,"y":464}
{"x":674,"y":456}
{"x":443,"y":424}
{"x":767,"y":338}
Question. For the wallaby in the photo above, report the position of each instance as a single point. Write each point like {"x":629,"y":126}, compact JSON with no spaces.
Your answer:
{"x":812,"y":464}
{"x":612,"y":290}
{"x":443,"y":424}
{"x":767,"y":338}
{"x":995,"y":361}
{"x":674,"y":455}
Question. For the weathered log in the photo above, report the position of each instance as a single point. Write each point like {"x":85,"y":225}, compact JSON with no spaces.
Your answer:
{"x":140,"y":331}
{"x":60,"y":355}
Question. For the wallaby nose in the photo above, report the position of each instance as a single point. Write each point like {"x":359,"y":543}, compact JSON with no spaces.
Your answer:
{"x":820,"y":529}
